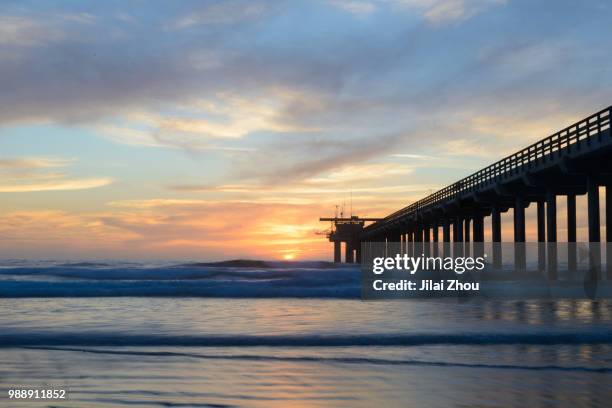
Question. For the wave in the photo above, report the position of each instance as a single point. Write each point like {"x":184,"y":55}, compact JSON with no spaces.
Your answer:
{"x":100,"y":339}
{"x":290,"y":288}
{"x":254,"y":263}
{"x":227,"y":279}
{"x":126,"y":271}
{"x":341,"y":360}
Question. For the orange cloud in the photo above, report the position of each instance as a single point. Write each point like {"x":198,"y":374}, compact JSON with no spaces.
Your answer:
{"x":29,"y":174}
{"x":169,"y":230}
{"x":54,"y":185}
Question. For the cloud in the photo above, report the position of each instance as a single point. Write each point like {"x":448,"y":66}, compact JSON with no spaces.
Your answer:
{"x":358,"y":174}
{"x":305,"y":156}
{"x":213,"y":229}
{"x":367,"y":184}
{"x":157,"y":202}
{"x":17,"y":31}
{"x":55,"y":185}
{"x":442,"y":11}
{"x":205,"y":123}
{"x":55,"y":234}
{"x":208,"y":82}
{"x":226,"y":12}
{"x":507,"y":129}
{"x":317,"y":192}
{"x":99,"y":78}
{"x":412,"y":156}
{"x":33,"y":162}
{"x":531,"y":57}
{"x":465,"y":147}
{"x":272,"y":112}
{"x":190,"y":229}
{"x":434,"y":11}
{"x":33,"y":174}
{"x":355,"y":6}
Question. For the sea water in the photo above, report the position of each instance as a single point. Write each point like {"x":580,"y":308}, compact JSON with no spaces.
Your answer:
{"x":120,"y":334}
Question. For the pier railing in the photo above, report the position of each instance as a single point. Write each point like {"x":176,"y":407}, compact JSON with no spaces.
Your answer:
{"x":551,"y":147}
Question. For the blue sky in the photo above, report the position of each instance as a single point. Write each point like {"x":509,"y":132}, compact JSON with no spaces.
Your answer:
{"x":198,"y":129}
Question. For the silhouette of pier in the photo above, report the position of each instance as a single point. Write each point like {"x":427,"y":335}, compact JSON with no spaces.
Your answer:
{"x":575,"y":161}
{"x":347,"y":230}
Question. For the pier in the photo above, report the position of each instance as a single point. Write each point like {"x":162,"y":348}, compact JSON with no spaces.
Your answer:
{"x":574,"y":161}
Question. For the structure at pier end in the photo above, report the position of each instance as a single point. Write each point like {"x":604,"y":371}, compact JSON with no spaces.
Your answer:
{"x":347,"y":230}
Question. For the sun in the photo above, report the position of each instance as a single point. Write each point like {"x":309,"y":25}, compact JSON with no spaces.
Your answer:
{"x":289,"y":257}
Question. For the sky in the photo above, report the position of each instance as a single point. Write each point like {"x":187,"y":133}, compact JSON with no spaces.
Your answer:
{"x":205,"y":130}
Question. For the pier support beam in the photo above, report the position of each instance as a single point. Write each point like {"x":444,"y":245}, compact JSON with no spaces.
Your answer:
{"x":594,"y":225}
{"x":496,"y":236}
{"x":337,"y":252}
{"x":541,"y":221}
{"x":609,"y":231}
{"x":519,"y":234}
{"x":446,"y":237}
{"x":478,"y":228}
{"x":435,"y":238}
{"x":551,"y":233}
{"x":571,"y":234}
{"x":446,"y":230}
{"x":418,"y":234}
{"x":478,"y":235}
{"x":418,"y":240}
{"x":409,"y":242}
{"x":458,"y":237}
{"x":551,"y":217}
{"x":426,"y":240}
{"x":608,"y":213}
{"x":458,"y":230}
{"x":593,"y":210}
{"x":466,"y":236}
{"x":519,"y":219}
{"x":348,"y":253}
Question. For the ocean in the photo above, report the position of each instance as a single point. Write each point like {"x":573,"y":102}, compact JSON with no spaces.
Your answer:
{"x":286,"y":334}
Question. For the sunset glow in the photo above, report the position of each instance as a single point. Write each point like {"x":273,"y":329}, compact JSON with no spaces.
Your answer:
{"x":211,"y":133}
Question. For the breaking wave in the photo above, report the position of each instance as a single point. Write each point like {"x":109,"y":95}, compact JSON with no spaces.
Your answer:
{"x":238,"y":278}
